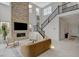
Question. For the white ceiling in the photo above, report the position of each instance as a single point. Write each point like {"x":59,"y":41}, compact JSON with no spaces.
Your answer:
{"x":41,"y":4}
{"x":74,"y":18}
{"x":5,"y":3}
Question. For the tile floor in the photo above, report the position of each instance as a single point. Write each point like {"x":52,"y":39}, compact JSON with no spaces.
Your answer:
{"x":64,"y":48}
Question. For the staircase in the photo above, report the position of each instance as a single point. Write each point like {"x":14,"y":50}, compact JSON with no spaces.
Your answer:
{"x":57,"y":11}
{"x":40,"y":30}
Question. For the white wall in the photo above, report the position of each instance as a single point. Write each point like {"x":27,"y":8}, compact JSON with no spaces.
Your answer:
{"x":5,"y":12}
{"x":32,"y":16}
{"x":74,"y":29}
{"x":53,"y":5}
{"x":52,"y":29}
{"x":67,"y":27}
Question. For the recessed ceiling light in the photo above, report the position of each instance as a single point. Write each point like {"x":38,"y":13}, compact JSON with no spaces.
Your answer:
{"x":30,"y":6}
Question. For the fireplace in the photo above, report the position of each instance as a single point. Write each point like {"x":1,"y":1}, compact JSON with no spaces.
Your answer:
{"x":21,"y":34}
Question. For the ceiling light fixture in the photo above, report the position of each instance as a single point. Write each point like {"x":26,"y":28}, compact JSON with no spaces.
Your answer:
{"x":30,"y":6}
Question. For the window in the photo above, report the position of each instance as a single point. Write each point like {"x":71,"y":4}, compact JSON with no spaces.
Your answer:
{"x":30,"y":8}
{"x":47,"y":11}
{"x":37,"y":11}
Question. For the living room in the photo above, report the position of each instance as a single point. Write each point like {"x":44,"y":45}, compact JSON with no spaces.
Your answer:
{"x":31,"y":33}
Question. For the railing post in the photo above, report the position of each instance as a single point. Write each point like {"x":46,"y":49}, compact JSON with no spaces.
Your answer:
{"x":48,"y":20}
{"x":58,"y":10}
{"x":37,"y":27}
{"x":77,"y":6}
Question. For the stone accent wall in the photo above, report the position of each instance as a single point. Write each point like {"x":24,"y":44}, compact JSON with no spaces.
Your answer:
{"x":19,"y":13}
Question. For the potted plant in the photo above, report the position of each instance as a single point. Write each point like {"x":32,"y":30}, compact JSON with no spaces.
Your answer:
{"x":0,"y":30}
{"x":4,"y":29}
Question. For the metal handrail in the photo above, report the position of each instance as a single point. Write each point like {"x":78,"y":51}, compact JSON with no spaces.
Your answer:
{"x":54,"y":11}
{"x":52,"y":16}
{"x":41,"y":31}
{"x":64,"y":4}
{"x":58,"y":12}
{"x":71,"y":8}
{"x":48,"y":18}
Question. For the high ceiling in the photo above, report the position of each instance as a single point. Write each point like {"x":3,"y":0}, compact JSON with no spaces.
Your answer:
{"x":5,"y":3}
{"x":41,"y":4}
